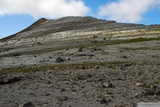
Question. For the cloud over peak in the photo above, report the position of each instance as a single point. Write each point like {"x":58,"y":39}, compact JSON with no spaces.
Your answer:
{"x":126,"y":10}
{"x":44,"y":8}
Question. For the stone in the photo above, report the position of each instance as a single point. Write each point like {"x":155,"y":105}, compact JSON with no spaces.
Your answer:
{"x":47,"y":94}
{"x":82,"y":67}
{"x":9,"y":80}
{"x":137,"y":95}
{"x":96,"y":67}
{"x":153,"y":90}
{"x":29,"y":104}
{"x":65,"y":98}
{"x":140,"y":84}
{"x":63,"y":90}
{"x":104,"y":101}
{"x":94,"y":36}
{"x":80,"y":49}
{"x":2,"y":50}
{"x":107,"y":85}
{"x":123,"y":56}
{"x":89,"y":76}
{"x":16,"y":54}
{"x":124,"y":66}
{"x":59,"y":60}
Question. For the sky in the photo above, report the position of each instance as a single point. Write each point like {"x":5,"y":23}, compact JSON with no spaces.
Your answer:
{"x":15,"y":15}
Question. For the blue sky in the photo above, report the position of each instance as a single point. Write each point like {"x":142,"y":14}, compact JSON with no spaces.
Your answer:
{"x":15,"y":15}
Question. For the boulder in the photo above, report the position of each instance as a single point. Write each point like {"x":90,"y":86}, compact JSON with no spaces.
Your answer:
{"x":59,"y":60}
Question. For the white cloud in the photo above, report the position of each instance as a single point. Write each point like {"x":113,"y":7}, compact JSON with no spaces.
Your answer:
{"x":44,"y":8}
{"x":157,"y":3}
{"x":126,"y":10}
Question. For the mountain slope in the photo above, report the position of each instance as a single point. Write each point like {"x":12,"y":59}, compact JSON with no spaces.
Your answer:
{"x":71,"y":27}
{"x":75,"y":61}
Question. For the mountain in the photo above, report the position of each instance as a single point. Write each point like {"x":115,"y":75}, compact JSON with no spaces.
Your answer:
{"x":75,"y":61}
{"x":73,"y":26}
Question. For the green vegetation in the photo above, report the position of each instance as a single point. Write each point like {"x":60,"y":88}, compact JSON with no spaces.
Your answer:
{"x":85,"y":65}
{"x":141,"y":48}
{"x":140,"y":40}
{"x":57,"y":66}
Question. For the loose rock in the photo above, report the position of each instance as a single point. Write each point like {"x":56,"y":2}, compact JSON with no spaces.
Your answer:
{"x":153,"y":90}
{"x":89,"y":76}
{"x":29,"y":104}
{"x":107,"y":85}
{"x":123,"y":56}
{"x":104,"y":101}
{"x":96,"y":67}
{"x":65,"y":98}
{"x":140,"y":84}
{"x":9,"y":80}
{"x":80,"y":49}
{"x":16,"y":54}
{"x":59,"y":60}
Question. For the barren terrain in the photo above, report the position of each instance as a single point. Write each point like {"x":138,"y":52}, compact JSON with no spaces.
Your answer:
{"x":80,"y":62}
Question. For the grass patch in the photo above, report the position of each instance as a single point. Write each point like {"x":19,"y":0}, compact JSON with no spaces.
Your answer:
{"x":87,"y":65}
{"x":141,"y":40}
{"x":141,"y":48}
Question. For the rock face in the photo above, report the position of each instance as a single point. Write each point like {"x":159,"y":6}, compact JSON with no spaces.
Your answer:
{"x":75,"y":61}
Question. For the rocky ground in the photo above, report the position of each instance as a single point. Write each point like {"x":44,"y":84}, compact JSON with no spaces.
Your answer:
{"x":125,"y":75}
{"x":80,"y":70}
